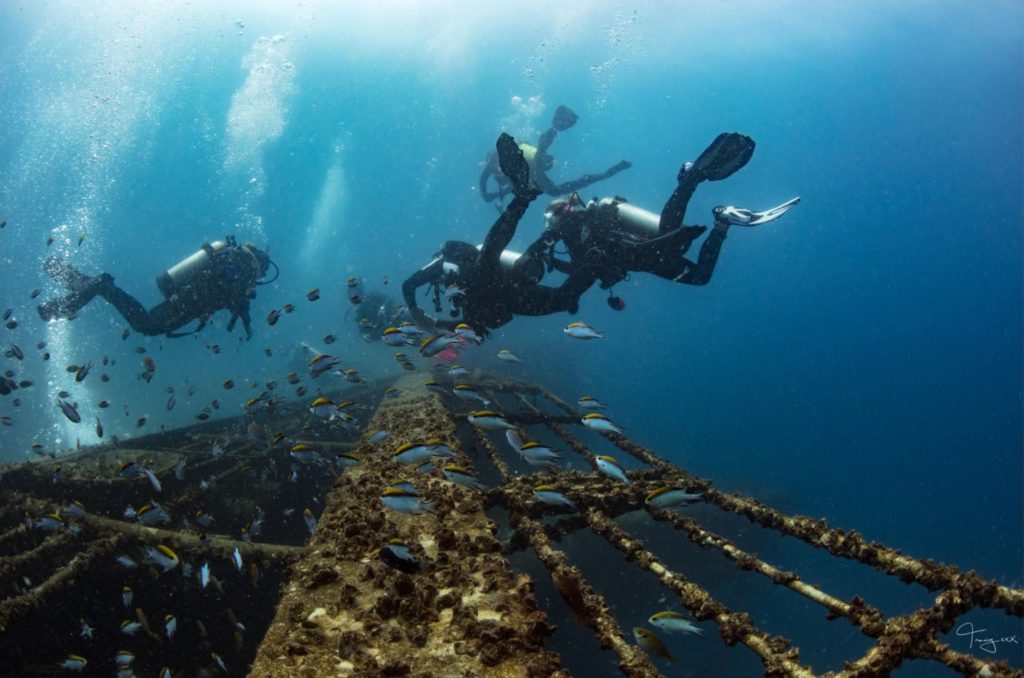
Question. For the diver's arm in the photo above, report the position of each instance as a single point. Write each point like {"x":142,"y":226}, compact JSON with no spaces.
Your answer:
{"x":584,"y":181}
{"x":484,"y":193}
{"x":428,"y":274}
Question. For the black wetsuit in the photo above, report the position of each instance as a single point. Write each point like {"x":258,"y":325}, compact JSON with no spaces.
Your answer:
{"x":225,"y":285}
{"x":493,"y":295}
{"x":599,"y":243}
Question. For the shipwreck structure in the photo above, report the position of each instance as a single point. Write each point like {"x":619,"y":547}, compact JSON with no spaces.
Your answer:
{"x":504,"y":585}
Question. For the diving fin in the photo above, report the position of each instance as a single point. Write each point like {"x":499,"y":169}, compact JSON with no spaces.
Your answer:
{"x":64,"y":273}
{"x":64,"y":307}
{"x":774,"y":213}
{"x":83,"y":289}
{"x":564,"y":118}
{"x":513,"y":164}
{"x":739,"y":216}
{"x":728,"y":153}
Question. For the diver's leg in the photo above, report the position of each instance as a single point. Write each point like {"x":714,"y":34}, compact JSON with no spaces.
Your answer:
{"x":162,"y":318}
{"x":725,"y":155}
{"x":545,"y":300}
{"x":674,"y":211}
{"x":514,"y":166}
{"x":682,"y":270}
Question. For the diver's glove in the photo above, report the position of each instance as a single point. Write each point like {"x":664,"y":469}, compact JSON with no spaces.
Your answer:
{"x":738,"y":216}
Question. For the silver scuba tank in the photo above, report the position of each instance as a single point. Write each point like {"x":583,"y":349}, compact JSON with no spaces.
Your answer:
{"x":508,"y":257}
{"x":636,"y":220}
{"x":188,"y":269}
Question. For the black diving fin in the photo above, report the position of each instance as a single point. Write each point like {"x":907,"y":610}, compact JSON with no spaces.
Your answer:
{"x":564,"y":118}
{"x":65,"y":274}
{"x":513,"y":164}
{"x":83,"y":289}
{"x":728,"y":153}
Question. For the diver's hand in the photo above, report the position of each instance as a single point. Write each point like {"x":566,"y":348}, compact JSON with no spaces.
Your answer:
{"x":619,"y":167}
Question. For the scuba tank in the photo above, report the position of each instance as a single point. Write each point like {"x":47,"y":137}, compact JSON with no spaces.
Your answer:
{"x":632,"y":219}
{"x":529,"y":153}
{"x":508,"y":258}
{"x":186,"y":271}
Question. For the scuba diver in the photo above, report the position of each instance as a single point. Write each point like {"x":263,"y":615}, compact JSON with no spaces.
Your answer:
{"x":486,"y":284}
{"x":539,"y":162}
{"x":610,"y":238}
{"x":376,"y":313}
{"x":221,"y":275}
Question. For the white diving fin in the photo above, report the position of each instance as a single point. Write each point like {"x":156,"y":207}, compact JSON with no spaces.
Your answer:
{"x":738,"y":216}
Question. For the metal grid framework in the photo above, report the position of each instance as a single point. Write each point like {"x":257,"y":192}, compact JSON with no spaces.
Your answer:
{"x":467,"y":612}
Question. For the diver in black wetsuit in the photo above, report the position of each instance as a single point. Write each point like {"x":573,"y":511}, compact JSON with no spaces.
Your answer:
{"x":610,"y":238}
{"x":539,"y":162}
{"x":490,"y":293}
{"x":220,"y":276}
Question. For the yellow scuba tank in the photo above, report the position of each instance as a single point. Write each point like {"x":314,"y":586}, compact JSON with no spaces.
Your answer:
{"x":188,"y":269}
{"x":636,"y":220}
{"x":529,"y":153}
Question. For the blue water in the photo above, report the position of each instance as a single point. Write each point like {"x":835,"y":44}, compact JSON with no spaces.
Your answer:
{"x":860,"y":359}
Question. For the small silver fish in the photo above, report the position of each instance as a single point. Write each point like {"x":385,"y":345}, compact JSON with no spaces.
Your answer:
{"x":403,"y":501}
{"x":546,"y":494}
{"x":611,"y":468}
{"x":651,"y":643}
{"x":467,"y":392}
{"x":669,"y":497}
{"x":204,"y":575}
{"x":162,"y":556}
{"x":379,"y":435}
{"x":508,"y":356}
{"x":601,"y":423}
{"x":488,"y":419}
{"x":578,"y":330}
{"x":461,"y":476}
{"x":674,"y":622}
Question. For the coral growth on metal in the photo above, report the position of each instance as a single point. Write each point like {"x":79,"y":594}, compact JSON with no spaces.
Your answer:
{"x":452,"y":604}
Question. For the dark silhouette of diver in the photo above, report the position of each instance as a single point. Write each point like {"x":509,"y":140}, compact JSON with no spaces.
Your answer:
{"x":610,"y":238}
{"x":376,"y":313}
{"x":540,"y":162}
{"x":492,"y":288}
{"x":220,"y":276}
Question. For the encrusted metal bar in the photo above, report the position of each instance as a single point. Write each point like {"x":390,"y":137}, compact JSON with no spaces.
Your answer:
{"x":775,"y":652}
{"x":14,"y":609}
{"x":816,"y":532}
{"x":914,"y":636}
{"x":590,"y":609}
{"x":465,"y":612}
{"x":858,"y":611}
